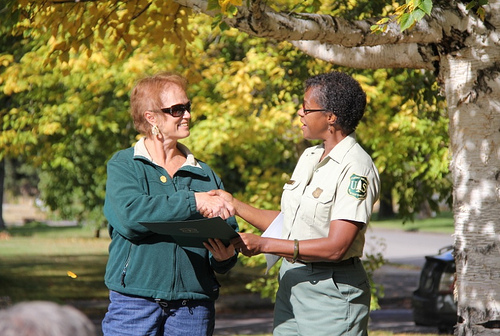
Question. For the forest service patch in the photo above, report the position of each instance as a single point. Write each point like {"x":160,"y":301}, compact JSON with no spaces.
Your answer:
{"x":358,"y":186}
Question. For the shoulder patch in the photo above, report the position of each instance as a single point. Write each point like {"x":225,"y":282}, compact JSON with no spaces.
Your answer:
{"x":358,"y":187}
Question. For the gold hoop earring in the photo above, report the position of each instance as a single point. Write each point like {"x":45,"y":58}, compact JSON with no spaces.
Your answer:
{"x":155,"y":130}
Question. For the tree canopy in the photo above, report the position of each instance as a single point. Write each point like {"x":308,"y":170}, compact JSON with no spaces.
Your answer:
{"x":68,"y":74}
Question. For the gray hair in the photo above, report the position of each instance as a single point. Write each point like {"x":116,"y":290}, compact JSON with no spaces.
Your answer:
{"x":43,"y":318}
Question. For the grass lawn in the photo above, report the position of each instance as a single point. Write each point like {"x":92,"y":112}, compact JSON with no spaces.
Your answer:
{"x":67,"y":263}
{"x":55,"y":264}
{"x":442,"y":223}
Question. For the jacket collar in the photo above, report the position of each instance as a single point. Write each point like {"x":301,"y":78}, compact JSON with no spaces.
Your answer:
{"x":141,"y":152}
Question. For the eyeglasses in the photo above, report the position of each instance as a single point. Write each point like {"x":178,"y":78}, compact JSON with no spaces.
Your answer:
{"x":177,"y":110}
{"x":307,"y":111}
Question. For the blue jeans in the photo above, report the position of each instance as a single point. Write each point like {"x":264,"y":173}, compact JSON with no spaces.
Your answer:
{"x":138,"y":316}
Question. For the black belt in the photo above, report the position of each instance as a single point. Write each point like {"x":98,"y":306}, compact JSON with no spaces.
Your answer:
{"x":346,"y":262}
{"x":166,"y":304}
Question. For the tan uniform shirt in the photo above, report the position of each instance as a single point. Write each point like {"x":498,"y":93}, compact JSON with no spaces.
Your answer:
{"x":344,"y":185}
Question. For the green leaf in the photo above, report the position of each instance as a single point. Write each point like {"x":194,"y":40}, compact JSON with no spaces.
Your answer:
{"x":417,"y":15}
{"x":406,"y":21}
{"x":216,"y":21}
{"x":426,"y":6}
{"x":232,"y":10}
{"x":223,"y":26}
{"x":471,"y":5}
{"x":481,"y":13}
{"x":213,"y":5}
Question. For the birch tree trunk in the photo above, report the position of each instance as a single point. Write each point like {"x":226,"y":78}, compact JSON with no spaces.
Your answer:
{"x":472,"y":85}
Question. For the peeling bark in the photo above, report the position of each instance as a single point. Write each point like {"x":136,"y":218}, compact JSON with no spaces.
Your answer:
{"x":411,"y":56}
{"x":472,"y":87}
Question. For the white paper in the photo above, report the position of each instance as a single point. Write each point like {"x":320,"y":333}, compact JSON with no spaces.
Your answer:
{"x":274,"y":230}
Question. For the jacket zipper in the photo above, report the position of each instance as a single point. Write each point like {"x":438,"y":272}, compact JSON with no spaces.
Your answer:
{"x":124,"y":271}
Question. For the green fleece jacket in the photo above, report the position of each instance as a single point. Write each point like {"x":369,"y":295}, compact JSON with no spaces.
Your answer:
{"x":147,"y":264}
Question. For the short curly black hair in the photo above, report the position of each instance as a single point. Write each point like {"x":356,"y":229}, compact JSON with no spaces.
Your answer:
{"x":341,"y":94}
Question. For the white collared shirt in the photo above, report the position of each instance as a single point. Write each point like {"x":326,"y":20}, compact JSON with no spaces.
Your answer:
{"x":344,"y":185}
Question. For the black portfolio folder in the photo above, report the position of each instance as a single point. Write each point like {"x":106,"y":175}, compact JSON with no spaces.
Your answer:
{"x":193,"y":233}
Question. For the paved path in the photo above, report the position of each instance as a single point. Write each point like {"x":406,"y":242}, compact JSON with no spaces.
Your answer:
{"x":394,"y":320}
{"x":403,"y":247}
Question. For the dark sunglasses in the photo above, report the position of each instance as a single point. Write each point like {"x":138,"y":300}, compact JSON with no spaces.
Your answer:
{"x":177,"y":110}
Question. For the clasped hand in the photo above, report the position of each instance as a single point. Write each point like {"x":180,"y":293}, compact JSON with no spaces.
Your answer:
{"x":212,"y":204}
{"x":215,"y":203}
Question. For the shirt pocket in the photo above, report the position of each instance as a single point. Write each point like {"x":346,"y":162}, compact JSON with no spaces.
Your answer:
{"x":317,"y":206}
{"x":290,"y":199}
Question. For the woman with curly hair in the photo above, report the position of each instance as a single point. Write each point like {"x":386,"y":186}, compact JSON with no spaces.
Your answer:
{"x":326,"y":206}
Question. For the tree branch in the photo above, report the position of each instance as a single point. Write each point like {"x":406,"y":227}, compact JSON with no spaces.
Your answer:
{"x":385,"y":56}
{"x":265,"y":22}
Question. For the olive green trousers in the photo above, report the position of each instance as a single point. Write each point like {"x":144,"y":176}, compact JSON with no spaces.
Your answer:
{"x":320,"y":299}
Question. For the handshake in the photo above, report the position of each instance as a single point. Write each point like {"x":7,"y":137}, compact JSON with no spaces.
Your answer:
{"x":215,"y":203}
